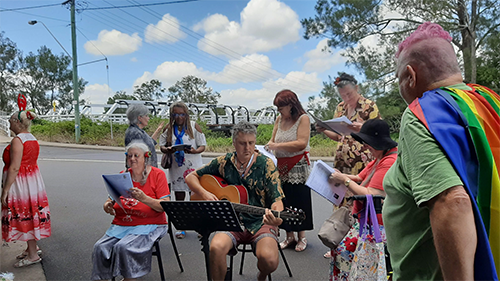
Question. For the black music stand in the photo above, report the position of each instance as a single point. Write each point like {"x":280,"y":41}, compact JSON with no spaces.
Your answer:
{"x":204,"y":217}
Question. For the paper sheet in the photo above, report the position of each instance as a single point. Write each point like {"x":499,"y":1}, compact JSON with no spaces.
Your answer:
{"x":318,"y":181}
{"x":269,"y":154}
{"x":179,"y":147}
{"x":338,"y":125}
{"x":118,"y":185}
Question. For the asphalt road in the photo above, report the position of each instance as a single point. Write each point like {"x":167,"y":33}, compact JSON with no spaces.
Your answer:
{"x":76,"y":193}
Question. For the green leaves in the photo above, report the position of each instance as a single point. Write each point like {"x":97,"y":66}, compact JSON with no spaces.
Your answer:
{"x":192,"y":89}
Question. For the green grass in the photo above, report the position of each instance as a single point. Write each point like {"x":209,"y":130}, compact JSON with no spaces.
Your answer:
{"x":99,"y":133}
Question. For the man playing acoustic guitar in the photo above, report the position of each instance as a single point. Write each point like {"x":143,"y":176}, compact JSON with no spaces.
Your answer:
{"x":259,"y":175}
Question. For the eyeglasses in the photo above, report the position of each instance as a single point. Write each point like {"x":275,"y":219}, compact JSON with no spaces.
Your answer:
{"x":175,"y":115}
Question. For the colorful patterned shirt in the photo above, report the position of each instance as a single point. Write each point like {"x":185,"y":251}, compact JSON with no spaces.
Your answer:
{"x":262,"y":183}
{"x":351,"y":156}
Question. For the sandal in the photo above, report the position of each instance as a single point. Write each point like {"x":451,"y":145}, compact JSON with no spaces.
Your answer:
{"x":287,"y":243}
{"x":301,"y":245}
{"x":25,"y":254}
{"x":328,"y":255}
{"x":26,"y":262}
{"x":180,"y":234}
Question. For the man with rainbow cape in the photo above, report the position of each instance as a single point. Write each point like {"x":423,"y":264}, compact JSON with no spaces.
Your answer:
{"x":442,"y":210}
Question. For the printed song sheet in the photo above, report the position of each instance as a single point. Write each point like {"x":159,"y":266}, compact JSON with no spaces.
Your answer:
{"x":318,"y":181}
{"x":269,"y":154}
{"x":118,"y":185}
{"x":339,"y":125}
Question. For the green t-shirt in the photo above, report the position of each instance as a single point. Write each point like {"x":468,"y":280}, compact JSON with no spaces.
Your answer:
{"x":262,"y":183}
{"x":421,"y":172}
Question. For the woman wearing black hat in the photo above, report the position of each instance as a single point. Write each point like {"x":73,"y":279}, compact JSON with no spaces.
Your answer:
{"x":375,"y":134}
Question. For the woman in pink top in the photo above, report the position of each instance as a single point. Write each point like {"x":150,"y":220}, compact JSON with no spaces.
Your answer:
{"x":375,"y":134}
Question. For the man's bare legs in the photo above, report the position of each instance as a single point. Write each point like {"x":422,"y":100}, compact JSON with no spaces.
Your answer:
{"x":219,"y":248}
{"x":267,"y":257}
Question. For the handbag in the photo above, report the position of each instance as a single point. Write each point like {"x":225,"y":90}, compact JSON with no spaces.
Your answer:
{"x":166,"y":159}
{"x":336,"y":227}
{"x":369,"y":258}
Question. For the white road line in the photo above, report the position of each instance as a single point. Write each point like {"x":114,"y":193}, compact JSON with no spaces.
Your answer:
{"x":80,"y":160}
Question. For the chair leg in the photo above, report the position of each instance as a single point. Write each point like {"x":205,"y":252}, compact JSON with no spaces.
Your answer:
{"x":269,"y":277}
{"x":172,"y":239}
{"x":229,"y":272}
{"x":160,"y":263}
{"x":284,"y":261}
{"x":243,"y":258}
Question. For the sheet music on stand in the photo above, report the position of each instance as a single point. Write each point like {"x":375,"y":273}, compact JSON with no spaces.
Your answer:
{"x":204,"y":217}
{"x":318,"y":181}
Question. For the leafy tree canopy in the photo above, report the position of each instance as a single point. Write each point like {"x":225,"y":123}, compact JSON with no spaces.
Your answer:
{"x":9,"y":63}
{"x":346,"y":22}
{"x":193,"y":90}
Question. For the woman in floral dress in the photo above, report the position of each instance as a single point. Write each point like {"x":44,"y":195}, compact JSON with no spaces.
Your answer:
{"x":181,"y":130}
{"x":25,"y":208}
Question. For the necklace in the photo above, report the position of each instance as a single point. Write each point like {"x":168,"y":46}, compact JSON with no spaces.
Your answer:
{"x":242,"y":168}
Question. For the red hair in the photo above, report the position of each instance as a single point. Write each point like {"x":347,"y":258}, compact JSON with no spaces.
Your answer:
{"x":287,"y":97}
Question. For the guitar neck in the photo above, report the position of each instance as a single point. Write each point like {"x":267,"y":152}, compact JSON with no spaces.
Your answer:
{"x":259,"y":211}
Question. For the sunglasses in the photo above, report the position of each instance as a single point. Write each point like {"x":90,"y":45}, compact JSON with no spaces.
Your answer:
{"x":175,"y":115}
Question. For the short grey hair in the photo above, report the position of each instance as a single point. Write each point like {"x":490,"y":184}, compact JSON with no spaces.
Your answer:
{"x":136,"y":110}
{"x":243,"y":127}
{"x":147,"y":161}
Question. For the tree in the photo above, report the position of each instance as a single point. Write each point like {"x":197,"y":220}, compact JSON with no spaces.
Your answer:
{"x":119,"y":95}
{"x":488,"y":70}
{"x":150,"y":90}
{"x":65,"y":96}
{"x":41,"y":73}
{"x":194,"y":90}
{"x":346,"y":22}
{"x":324,"y":106}
{"x":9,"y":64}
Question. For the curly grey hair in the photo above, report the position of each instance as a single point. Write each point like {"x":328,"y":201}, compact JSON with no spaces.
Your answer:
{"x":134,"y":111}
{"x":147,"y":161}
{"x":243,"y":127}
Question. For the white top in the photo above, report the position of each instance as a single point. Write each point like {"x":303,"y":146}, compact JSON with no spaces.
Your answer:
{"x":300,"y":172}
{"x":177,"y":174}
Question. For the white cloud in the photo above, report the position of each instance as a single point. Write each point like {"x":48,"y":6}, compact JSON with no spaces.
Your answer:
{"x":166,"y":30}
{"x":250,"y":68}
{"x":113,"y":43}
{"x":170,"y":72}
{"x":321,"y":59}
{"x":97,"y":93}
{"x":254,"y":99}
{"x":134,"y":59}
{"x":264,"y":25}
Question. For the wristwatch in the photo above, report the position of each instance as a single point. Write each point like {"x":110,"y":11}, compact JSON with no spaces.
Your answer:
{"x":347,"y":182}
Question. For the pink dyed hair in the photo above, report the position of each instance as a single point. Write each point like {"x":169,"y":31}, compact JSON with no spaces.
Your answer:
{"x":427,"y":30}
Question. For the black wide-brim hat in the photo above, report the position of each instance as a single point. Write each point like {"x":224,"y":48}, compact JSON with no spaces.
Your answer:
{"x":375,"y":133}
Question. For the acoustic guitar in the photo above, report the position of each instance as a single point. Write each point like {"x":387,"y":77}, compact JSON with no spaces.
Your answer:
{"x":238,"y":196}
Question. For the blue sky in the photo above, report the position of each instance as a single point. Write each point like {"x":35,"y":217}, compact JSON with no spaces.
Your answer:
{"x":246,"y":50}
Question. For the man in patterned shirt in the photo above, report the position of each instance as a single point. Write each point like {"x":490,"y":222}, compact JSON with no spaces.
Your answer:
{"x":259,"y":175}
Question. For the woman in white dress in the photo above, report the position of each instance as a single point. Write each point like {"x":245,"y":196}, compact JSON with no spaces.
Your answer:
{"x":181,"y":130}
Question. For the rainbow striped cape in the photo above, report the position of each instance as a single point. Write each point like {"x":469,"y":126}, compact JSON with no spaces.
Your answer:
{"x":466,"y":124}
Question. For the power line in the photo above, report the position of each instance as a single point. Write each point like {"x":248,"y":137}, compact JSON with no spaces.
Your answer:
{"x":226,"y":51}
{"x":29,"y":8}
{"x":141,"y":5}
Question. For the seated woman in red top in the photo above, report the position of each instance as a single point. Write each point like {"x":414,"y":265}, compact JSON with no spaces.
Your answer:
{"x":126,"y":248}
{"x":375,"y":134}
